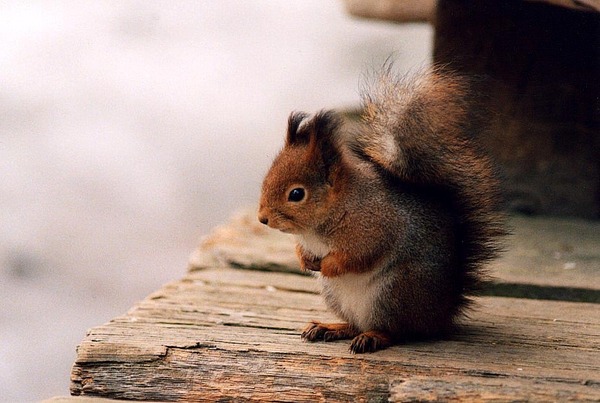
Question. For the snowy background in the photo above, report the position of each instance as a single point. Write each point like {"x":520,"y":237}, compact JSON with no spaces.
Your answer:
{"x":128,"y":129}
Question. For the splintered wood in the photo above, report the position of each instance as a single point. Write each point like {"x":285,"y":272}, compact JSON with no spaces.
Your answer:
{"x":227,"y":333}
{"x":231,"y":333}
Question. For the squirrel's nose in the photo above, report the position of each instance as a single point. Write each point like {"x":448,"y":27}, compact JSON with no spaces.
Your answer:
{"x":263,"y":220}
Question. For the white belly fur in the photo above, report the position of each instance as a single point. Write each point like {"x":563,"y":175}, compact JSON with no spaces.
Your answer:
{"x":353,"y":294}
{"x":313,"y":245}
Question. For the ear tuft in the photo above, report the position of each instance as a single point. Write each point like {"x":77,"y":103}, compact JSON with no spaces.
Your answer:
{"x":324,"y":124}
{"x":294,"y":122}
{"x":323,"y":135}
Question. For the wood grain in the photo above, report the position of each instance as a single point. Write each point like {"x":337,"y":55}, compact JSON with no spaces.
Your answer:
{"x":234,"y":334}
{"x":230,"y":330}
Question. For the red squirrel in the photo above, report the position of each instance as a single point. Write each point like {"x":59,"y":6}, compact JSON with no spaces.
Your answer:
{"x":398,"y":211}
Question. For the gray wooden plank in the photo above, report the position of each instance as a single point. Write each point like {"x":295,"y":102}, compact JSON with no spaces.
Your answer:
{"x":229,"y":333}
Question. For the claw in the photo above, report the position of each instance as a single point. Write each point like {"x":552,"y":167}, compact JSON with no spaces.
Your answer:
{"x":315,"y":331}
{"x":369,"y":342}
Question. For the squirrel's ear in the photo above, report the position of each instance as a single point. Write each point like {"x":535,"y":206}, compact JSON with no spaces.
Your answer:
{"x":322,"y":136}
{"x":318,"y":134}
{"x":294,"y":122}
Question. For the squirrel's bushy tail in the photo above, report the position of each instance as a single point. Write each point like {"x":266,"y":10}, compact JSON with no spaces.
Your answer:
{"x":420,"y":130}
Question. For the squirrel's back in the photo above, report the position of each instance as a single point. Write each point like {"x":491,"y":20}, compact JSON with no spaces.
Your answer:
{"x":420,"y":132}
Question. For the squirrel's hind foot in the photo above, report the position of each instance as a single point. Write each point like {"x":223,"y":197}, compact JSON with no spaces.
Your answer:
{"x":369,"y":342}
{"x":317,"y":331}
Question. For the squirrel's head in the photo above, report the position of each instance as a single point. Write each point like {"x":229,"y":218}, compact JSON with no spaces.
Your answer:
{"x":300,"y":187}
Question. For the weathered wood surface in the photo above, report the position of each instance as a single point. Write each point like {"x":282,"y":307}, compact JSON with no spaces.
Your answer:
{"x":231,"y":333}
{"x":392,"y":10}
{"x":223,"y":332}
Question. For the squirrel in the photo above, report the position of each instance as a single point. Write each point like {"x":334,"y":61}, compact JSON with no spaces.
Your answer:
{"x":399,"y":211}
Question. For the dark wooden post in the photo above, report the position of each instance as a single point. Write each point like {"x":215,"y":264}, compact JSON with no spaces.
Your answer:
{"x":542,"y":65}
{"x":538,"y":67}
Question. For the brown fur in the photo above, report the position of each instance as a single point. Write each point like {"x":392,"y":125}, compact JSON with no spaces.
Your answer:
{"x":400,"y":210}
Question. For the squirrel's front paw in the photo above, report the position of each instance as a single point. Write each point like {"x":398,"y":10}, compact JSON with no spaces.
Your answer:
{"x":312,"y":265}
{"x":307,"y":262}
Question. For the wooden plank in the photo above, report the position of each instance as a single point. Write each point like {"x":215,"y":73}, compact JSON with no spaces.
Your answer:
{"x":450,"y":388}
{"x":76,"y":399}
{"x":392,"y":10}
{"x":224,"y":333}
{"x":551,"y":251}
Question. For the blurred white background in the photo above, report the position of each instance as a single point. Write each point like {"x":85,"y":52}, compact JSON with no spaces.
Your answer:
{"x":129,"y":128}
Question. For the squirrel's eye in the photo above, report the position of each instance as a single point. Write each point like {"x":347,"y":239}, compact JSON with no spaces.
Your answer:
{"x":296,"y":195}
